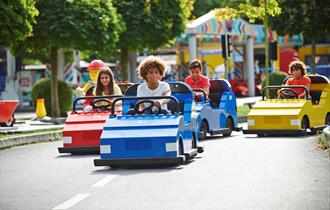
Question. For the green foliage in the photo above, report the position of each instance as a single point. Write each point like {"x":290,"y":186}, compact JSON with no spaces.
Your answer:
{"x":243,"y":111}
{"x":42,"y":89}
{"x":251,"y":9}
{"x":74,"y":24}
{"x":17,"y":17}
{"x":309,"y":17}
{"x":151,"y":24}
{"x":202,"y":7}
{"x":275,"y":78}
{"x":92,"y":25}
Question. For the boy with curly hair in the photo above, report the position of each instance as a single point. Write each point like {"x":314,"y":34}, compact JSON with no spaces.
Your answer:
{"x":151,"y":70}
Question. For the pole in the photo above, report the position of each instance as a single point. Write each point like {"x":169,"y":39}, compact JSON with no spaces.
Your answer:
{"x":250,"y":66}
{"x":266,"y":44}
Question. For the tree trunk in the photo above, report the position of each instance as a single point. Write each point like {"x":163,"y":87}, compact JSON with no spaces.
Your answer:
{"x":266,"y":44}
{"x":313,"y":57}
{"x":124,"y":62}
{"x":54,"y":84}
{"x":132,"y":66}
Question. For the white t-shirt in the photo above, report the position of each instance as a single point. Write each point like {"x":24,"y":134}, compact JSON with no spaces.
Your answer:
{"x":143,"y":90}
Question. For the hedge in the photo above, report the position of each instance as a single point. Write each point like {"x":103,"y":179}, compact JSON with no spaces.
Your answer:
{"x":275,"y":78}
{"x":42,"y":90}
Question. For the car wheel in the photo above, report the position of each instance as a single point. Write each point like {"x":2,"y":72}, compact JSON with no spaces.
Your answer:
{"x":230,"y":125}
{"x":304,"y":125}
{"x":181,"y":151}
{"x":193,"y":141}
{"x":202,"y":131}
{"x":327,"y":119}
{"x":260,"y":134}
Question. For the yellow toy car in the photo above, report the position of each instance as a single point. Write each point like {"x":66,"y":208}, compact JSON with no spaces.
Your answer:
{"x":292,"y":116}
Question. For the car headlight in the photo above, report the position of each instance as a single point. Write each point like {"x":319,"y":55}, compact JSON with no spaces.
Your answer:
{"x":67,"y":140}
{"x":294,"y":122}
{"x":171,"y":147}
{"x":105,"y":149}
{"x":251,"y":122}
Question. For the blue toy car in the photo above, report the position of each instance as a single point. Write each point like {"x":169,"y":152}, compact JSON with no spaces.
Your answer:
{"x":148,"y":137}
{"x":219,"y":114}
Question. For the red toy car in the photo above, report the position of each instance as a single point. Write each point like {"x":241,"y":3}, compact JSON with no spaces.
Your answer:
{"x":83,"y":129}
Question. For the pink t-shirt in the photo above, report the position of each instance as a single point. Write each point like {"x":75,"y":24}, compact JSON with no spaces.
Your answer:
{"x":202,"y":82}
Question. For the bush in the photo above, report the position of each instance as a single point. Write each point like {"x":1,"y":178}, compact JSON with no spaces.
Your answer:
{"x":275,"y":78}
{"x":42,"y":90}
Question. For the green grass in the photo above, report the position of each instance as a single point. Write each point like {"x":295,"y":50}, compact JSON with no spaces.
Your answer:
{"x":242,"y":111}
{"x":5,"y":136}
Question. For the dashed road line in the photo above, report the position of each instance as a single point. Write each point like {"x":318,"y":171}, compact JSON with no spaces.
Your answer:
{"x":73,"y":201}
{"x":104,"y":181}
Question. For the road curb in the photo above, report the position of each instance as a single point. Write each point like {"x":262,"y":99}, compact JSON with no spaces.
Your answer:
{"x":30,"y":138}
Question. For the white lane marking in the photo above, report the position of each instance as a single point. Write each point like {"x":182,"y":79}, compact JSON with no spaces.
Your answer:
{"x":104,"y":181}
{"x":73,"y":201}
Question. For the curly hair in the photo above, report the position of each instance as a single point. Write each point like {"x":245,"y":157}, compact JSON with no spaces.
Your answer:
{"x":149,"y":63}
{"x":297,"y":65}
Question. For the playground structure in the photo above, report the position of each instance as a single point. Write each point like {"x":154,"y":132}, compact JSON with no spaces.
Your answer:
{"x":202,"y":40}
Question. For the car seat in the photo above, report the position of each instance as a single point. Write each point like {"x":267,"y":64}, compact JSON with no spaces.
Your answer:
{"x":216,"y":90}
{"x":185,"y":96}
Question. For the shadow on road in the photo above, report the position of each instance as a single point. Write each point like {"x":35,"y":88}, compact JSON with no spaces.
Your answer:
{"x":77,"y":156}
{"x":279,"y":136}
{"x":132,"y":170}
{"x":216,"y":138}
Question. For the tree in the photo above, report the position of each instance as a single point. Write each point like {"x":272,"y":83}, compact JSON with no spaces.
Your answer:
{"x":17,"y":17}
{"x":202,"y":7}
{"x":150,"y":24}
{"x":74,"y":24}
{"x":253,"y":10}
{"x":309,"y":17}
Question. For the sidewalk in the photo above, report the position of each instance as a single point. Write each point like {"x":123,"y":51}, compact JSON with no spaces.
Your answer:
{"x":27,"y":131}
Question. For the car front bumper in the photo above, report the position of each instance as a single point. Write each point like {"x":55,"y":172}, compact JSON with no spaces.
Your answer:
{"x":276,"y":132}
{"x":140,"y":161}
{"x":80,"y":150}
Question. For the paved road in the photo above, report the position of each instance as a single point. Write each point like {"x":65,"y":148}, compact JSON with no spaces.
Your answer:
{"x":239,"y":172}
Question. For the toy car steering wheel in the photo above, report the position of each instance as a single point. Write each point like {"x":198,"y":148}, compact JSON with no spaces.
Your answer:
{"x":102,"y":106}
{"x":148,"y":109}
{"x":288,"y":93}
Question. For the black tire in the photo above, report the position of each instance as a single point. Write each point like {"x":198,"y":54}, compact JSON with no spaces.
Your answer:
{"x":313,"y":131}
{"x":230,"y":125}
{"x":181,"y":150}
{"x":193,"y":141}
{"x":260,"y":134}
{"x":304,"y":125}
{"x":327,"y":119}
{"x":202,"y":131}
